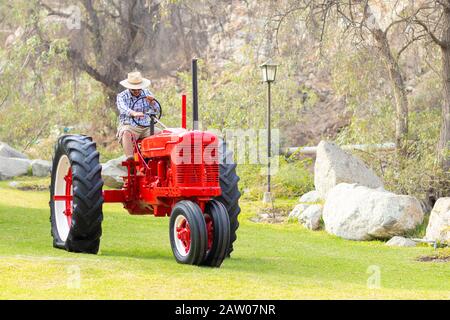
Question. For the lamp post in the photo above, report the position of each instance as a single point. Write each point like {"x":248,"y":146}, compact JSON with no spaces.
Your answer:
{"x":269,"y":72}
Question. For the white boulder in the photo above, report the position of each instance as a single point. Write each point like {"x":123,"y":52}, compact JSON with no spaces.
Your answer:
{"x":334,"y":166}
{"x":310,"y":197}
{"x":310,"y":218}
{"x":113,"y":171}
{"x":398,"y":241}
{"x":357,"y":212}
{"x":298,"y":209}
{"x":307,"y":200}
{"x":41,"y":168}
{"x":14,"y":184}
{"x":438,"y":228}
{"x":8,"y":152}
{"x":13,"y":167}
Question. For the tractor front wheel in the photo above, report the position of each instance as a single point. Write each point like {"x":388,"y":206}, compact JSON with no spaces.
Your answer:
{"x":188,"y":237}
{"x":218,"y":230}
{"x":76,"y":195}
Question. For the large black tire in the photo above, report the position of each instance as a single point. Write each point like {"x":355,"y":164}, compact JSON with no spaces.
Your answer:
{"x":189,"y":211}
{"x":230,"y":190}
{"x":217,"y":213}
{"x":85,"y":229}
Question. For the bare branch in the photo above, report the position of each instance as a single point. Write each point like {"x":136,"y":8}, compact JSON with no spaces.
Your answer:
{"x":438,"y":41}
{"x":53,"y":12}
{"x":411,"y":41}
{"x":95,"y":23}
{"x":76,"y":56}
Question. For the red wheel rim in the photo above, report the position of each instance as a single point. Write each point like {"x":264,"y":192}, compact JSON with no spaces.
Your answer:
{"x":184,"y":234}
{"x":209,"y":230}
{"x":67,"y":197}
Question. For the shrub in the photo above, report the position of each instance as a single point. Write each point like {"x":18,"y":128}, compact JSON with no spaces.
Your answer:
{"x":293,"y":178}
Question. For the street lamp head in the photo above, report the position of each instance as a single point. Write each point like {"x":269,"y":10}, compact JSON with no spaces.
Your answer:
{"x":269,"y":71}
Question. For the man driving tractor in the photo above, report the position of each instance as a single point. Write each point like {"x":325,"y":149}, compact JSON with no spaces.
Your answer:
{"x":133,"y":104}
{"x":201,"y":198}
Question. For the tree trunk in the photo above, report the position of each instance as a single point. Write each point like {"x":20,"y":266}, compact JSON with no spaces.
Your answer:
{"x":398,"y":86}
{"x":444,"y":139}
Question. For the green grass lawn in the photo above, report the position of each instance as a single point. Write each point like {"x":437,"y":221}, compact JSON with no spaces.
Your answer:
{"x":284,"y":261}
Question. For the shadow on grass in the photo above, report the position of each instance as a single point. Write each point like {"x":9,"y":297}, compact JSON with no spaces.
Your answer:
{"x":239,"y":264}
{"x":141,"y":254}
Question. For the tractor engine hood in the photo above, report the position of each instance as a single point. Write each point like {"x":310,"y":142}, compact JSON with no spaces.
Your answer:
{"x":181,"y":144}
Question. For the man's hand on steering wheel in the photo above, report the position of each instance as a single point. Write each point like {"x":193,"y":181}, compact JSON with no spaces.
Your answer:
{"x":154,"y":115}
{"x":150,"y":99}
{"x":136,"y":114}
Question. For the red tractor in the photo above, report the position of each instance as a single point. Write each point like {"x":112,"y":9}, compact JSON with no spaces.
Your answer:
{"x":188,"y":175}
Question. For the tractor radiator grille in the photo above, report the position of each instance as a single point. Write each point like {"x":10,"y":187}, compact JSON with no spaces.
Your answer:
{"x":189,"y":173}
{"x":197,"y":172}
{"x":212,"y":172}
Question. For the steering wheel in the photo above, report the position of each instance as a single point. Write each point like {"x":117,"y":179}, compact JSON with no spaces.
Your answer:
{"x":152,"y":114}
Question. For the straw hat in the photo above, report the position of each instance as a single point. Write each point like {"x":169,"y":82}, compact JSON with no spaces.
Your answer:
{"x":135,"y":81}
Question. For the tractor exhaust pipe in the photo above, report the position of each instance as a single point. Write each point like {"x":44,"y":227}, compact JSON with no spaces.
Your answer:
{"x":194,"y":95}
{"x":183,"y":111}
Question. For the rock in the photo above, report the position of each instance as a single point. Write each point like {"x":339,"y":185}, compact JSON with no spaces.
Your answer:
{"x":426,"y":205}
{"x":334,"y":166}
{"x":14,"y":184}
{"x":398,"y":241}
{"x":41,"y":168}
{"x":357,"y":212}
{"x":310,"y":197}
{"x":13,"y":167}
{"x":310,"y":218}
{"x":8,"y":152}
{"x":306,"y":201}
{"x":298,"y":209}
{"x":267,"y":218}
{"x":438,"y":228}
{"x":113,"y":171}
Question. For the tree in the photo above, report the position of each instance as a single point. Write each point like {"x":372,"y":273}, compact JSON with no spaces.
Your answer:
{"x":359,"y":17}
{"x":416,"y":21}
{"x":392,"y":64}
{"x":110,"y":36}
{"x":115,"y":37}
{"x":433,"y":19}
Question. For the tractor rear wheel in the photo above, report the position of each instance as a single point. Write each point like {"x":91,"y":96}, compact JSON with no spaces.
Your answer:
{"x":187,"y":232}
{"x":76,"y":195}
{"x":218,"y":230}
{"x":230,"y":190}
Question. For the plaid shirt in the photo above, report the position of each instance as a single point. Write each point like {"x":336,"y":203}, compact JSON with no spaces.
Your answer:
{"x":125,"y":101}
